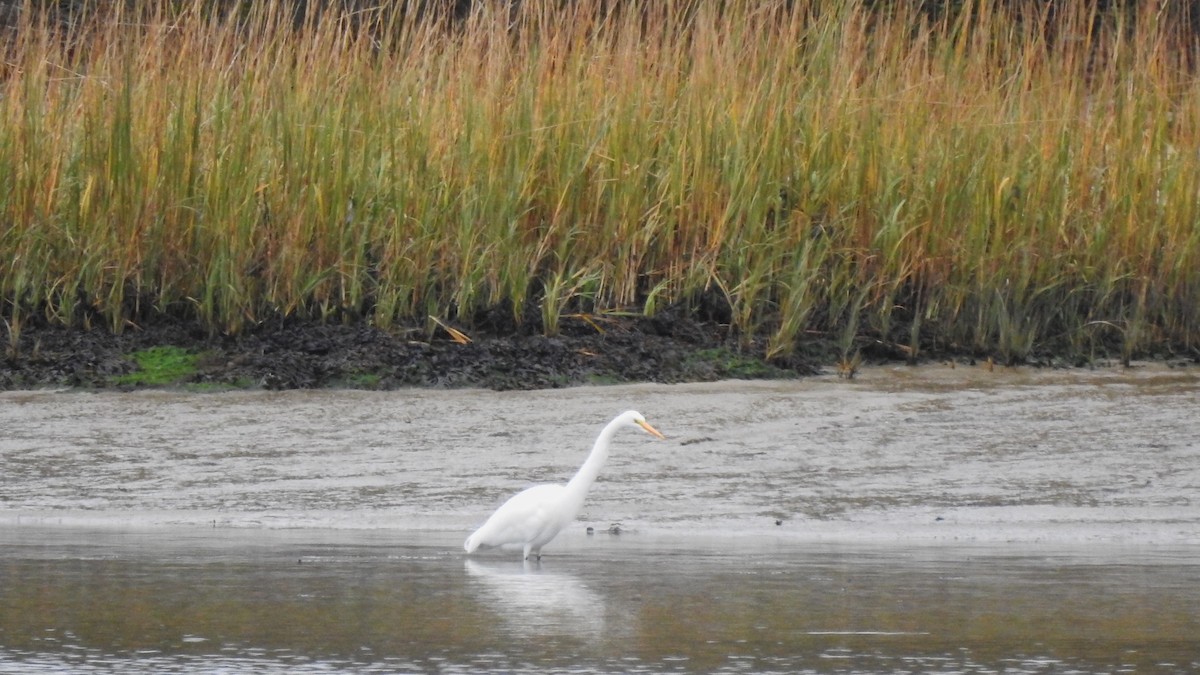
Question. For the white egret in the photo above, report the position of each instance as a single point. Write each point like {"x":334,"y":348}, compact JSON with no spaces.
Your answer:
{"x":532,"y":517}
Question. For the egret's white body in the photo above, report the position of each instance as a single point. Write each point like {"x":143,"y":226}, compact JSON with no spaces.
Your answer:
{"x":533,"y":517}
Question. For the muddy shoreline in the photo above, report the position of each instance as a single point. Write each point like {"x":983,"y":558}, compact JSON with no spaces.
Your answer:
{"x":500,"y":354}
{"x":302,"y":354}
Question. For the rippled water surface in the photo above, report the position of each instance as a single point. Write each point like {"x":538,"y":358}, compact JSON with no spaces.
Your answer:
{"x":928,"y":520}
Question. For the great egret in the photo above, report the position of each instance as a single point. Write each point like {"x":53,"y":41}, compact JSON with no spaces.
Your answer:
{"x":532,"y":517}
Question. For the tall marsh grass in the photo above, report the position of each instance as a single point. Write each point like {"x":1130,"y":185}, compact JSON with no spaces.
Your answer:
{"x":978,"y":181}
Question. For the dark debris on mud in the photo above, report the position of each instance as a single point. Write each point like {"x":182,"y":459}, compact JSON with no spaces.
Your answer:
{"x":299,"y":354}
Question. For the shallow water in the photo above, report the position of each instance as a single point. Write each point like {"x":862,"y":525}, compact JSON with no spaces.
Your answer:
{"x":912,"y":520}
{"x":326,"y":601}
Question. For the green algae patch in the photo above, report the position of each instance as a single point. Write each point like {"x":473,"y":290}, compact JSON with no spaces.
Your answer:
{"x":159,"y":366}
{"x":726,"y":363}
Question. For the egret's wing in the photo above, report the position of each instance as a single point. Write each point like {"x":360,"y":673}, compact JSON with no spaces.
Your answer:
{"x":523,"y":518}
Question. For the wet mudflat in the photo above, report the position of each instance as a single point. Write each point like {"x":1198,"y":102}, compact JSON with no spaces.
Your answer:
{"x":928,"y":520}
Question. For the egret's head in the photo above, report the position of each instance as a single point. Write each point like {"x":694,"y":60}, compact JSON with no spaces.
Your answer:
{"x":636,"y":417}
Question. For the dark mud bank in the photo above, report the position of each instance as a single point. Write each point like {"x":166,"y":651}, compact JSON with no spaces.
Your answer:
{"x":494,"y":353}
{"x":295,"y":354}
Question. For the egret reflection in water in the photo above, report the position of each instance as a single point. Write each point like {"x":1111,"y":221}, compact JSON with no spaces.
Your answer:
{"x":533,"y":601}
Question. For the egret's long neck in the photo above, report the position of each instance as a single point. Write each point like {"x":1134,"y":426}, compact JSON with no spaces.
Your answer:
{"x":578,"y":488}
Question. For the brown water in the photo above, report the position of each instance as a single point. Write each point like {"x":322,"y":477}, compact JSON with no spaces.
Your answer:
{"x":929,"y":520}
